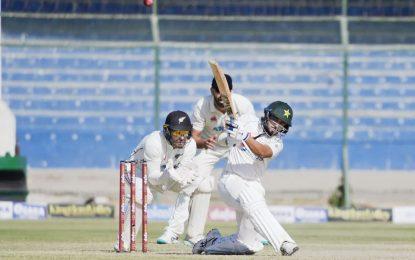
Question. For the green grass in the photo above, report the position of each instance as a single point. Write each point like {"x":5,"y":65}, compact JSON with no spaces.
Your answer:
{"x":92,"y":239}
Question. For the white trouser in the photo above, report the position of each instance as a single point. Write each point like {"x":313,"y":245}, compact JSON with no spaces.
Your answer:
{"x":198,"y":202}
{"x":253,"y":215}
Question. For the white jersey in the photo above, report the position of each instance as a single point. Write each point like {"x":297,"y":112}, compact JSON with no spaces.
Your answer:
{"x":210,"y":121}
{"x":242,"y":161}
{"x":158,"y":153}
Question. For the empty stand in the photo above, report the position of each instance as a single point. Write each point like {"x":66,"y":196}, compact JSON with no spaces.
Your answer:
{"x":89,"y":106}
{"x":77,"y":102}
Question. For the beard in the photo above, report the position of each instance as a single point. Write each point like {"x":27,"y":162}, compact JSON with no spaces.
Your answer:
{"x":179,"y":144}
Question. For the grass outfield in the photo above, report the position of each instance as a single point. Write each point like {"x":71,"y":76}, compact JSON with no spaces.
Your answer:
{"x":86,"y":239}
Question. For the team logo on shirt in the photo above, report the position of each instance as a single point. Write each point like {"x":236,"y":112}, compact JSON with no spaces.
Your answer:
{"x":213,"y":118}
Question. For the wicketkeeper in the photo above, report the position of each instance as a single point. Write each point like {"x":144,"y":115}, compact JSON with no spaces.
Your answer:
{"x":210,"y":136}
{"x":254,"y":142}
{"x":169,"y":155}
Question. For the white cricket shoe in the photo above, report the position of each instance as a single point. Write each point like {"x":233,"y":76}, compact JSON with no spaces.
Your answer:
{"x":126,"y":246}
{"x":168,"y":237}
{"x":188,"y":241}
{"x":265,"y":242}
{"x":288,"y":248}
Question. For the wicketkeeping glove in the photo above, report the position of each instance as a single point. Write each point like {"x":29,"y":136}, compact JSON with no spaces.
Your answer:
{"x":183,"y":178}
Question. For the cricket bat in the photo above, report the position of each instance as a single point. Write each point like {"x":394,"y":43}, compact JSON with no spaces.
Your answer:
{"x":223,"y":88}
{"x":226,"y":94}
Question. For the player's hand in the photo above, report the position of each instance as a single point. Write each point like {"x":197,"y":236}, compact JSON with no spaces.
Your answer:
{"x":230,"y":123}
{"x":183,"y":178}
{"x":222,"y":139}
{"x":210,"y":143}
{"x":235,"y":131}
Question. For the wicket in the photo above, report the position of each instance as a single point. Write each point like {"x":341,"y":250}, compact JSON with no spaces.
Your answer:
{"x":128,"y":172}
{"x":144,"y":235}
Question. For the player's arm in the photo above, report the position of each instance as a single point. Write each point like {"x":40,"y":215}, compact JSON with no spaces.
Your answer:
{"x":238,"y":135}
{"x":189,"y":152}
{"x":153,"y":157}
{"x":154,"y":173}
{"x":186,"y":171}
{"x":261,"y":150}
{"x":200,"y":142}
{"x":198,"y":122}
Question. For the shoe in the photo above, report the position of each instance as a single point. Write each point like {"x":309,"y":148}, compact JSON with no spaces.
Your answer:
{"x":126,"y":247}
{"x":265,"y":242}
{"x":288,"y":248}
{"x":168,"y":237}
{"x":192,"y":241}
{"x":188,"y":243}
{"x":210,"y":238}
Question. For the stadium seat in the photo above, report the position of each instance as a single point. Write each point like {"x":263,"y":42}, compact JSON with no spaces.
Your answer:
{"x":104,"y":97}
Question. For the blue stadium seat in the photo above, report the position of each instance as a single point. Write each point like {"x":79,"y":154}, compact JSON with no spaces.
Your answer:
{"x":100,"y":97}
{"x":312,"y":154}
{"x":381,"y":155}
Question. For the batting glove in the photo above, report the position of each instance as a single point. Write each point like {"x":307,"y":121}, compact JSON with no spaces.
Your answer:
{"x":235,"y":132}
{"x":230,"y":123}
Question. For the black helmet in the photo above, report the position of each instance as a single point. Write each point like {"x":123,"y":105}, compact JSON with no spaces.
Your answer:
{"x":176,"y":120}
{"x":228,"y":79}
{"x":279,"y":110}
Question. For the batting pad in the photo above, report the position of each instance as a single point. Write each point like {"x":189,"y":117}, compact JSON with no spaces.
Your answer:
{"x":180,"y":214}
{"x":126,"y":228}
{"x":264,"y":222}
{"x":139,"y":194}
{"x":198,"y":214}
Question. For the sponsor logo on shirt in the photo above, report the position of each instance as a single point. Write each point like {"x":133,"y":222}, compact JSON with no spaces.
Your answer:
{"x":219,"y":128}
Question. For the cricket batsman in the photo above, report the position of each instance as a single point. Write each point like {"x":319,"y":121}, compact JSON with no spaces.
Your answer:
{"x":169,"y":155}
{"x":254,"y":142}
{"x":209,"y":133}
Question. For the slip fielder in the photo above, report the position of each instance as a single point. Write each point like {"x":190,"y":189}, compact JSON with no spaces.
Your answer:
{"x":210,"y":136}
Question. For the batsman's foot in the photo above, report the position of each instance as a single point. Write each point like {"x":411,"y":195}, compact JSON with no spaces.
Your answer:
{"x":288,"y":248}
{"x":210,"y":238}
{"x":168,"y":237}
{"x":188,"y":241}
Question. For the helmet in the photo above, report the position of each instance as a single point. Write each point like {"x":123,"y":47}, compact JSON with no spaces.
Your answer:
{"x":278,"y":111}
{"x":228,"y":79}
{"x":176,"y":120}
